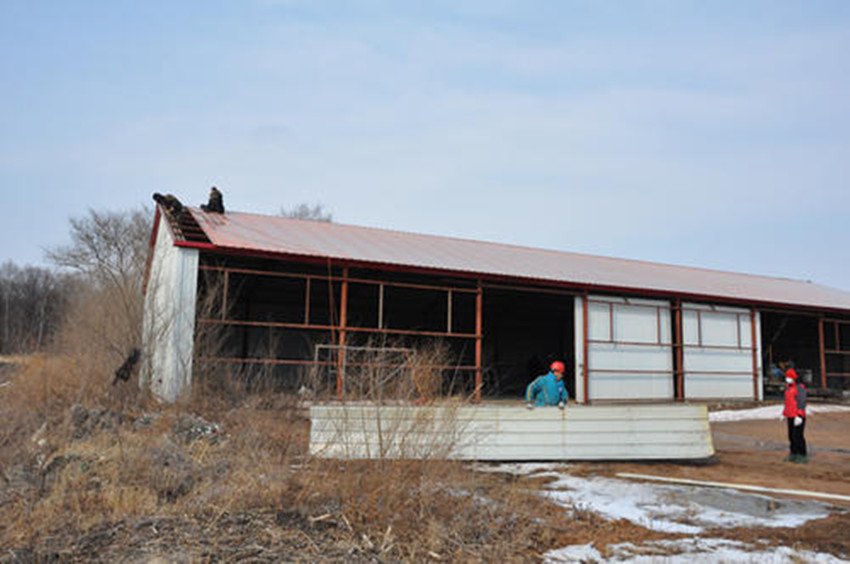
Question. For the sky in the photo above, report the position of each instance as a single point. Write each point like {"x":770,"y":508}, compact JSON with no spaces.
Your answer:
{"x":711,"y":134}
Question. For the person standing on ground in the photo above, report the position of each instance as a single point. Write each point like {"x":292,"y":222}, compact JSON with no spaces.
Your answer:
{"x":548,"y":389}
{"x":794,"y":414}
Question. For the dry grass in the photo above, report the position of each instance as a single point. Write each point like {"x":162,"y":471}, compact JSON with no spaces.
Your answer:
{"x":90,"y":470}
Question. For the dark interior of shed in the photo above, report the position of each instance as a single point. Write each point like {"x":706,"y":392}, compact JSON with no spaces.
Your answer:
{"x":280,"y":319}
{"x":788,"y":336}
{"x":836,"y":337}
{"x":524,"y":332}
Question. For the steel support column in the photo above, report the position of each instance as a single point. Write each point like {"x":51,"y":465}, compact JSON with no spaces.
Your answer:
{"x":343,"y":320}
{"x":479,"y":335}
{"x":224,"y":295}
{"x":754,"y":346}
{"x":678,"y":350}
{"x":822,"y":347}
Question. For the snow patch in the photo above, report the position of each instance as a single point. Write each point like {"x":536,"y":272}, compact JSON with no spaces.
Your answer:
{"x":769,"y":412}
{"x":668,"y":508}
{"x":691,"y":550}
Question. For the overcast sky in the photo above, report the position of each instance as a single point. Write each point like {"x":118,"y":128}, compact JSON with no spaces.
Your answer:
{"x":713,"y":134}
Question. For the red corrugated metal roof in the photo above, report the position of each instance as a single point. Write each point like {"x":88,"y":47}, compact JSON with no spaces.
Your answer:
{"x":236,"y":232}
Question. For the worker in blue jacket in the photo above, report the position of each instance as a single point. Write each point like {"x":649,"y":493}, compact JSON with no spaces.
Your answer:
{"x":548,"y":389}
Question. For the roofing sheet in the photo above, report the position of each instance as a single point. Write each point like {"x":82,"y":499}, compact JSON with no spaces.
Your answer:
{"x":236,"y":231}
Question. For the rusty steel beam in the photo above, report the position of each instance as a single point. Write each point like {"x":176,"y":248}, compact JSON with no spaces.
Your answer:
{"x":822,"y":347}
{"x":343,"y":319}
{"x":349,"y":328}
{"x":250,"y":360}
{"x":479,"y":337}
{"x":755,"y":354}
{"x":332,"y":278}
{"x":449,"y":311}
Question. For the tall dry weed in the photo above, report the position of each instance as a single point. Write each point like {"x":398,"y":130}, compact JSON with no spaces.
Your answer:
{"x":84,"y":458}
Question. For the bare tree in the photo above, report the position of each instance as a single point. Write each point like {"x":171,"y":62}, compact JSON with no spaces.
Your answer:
{"x":32,"y":303}
{"x":108,"y":251}
{"x":314,"y":212}
{"x":109,"y":247}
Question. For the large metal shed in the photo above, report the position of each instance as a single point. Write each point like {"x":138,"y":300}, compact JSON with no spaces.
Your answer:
{"x":281,"y":290}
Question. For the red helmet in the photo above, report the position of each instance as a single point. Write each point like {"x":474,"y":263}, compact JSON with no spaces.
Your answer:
{"x":557,"y":366}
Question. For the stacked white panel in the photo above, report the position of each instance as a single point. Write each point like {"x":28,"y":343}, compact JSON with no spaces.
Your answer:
{"x":613,"y":432}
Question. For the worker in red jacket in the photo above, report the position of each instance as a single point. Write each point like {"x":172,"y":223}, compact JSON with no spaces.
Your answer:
{"x":794,"y":414}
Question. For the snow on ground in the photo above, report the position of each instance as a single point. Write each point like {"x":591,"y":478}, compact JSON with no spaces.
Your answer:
{"x":672,"y":509}
{"x":669,"y":508}
{"x":769,"y":412}
{"x":688,"y":551}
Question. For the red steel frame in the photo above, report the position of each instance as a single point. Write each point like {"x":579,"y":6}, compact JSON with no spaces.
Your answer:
{"x":479,"y":336}
{"x":822,"y":347}
{"x":754,"y":346}
{"x":679,"y":360}
{"x":342,"y":329}
{"x":839,"y":351}
{"x":343,"y":319}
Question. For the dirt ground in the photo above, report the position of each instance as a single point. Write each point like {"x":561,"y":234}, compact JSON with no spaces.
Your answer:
{"x":751,"y":452}
{"x":747,"y":452}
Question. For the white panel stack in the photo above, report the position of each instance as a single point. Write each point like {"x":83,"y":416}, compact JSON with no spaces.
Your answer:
{"x":486,"y":432}
{"x":629,"y":348}
{"x":718,"y":352}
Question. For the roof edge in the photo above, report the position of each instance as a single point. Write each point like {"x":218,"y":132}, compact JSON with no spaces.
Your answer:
{"x":579,"y":287}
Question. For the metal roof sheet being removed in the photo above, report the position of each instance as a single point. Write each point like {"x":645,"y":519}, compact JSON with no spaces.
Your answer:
{"x":245,"y":232}
{"x":492,"y":432}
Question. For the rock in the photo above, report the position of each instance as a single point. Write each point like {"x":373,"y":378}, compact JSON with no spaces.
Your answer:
{"x":189,"y":428}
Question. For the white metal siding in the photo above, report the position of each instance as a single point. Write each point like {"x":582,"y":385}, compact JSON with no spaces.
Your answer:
{"x":579,"y":348}
{"x":169,"y":317}
{"x":718,"y":352}
{"x":629,"y":348}
{"x":511,"y":433}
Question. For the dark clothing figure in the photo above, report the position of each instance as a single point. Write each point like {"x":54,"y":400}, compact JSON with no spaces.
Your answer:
{"x":794,"y":413}
{"x":169,"y":202}
{"x":216,"y":202}
{"x":126,"y":369}
{"x":797,"y":440}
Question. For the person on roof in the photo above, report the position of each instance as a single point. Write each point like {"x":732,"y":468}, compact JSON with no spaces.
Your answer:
{"x":215,"y":203}
{"x":548,"y":389}
{"x":794,"y":414}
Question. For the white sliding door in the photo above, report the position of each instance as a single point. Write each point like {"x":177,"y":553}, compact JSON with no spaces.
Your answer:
{"x":629,"y":349}
{"x":718,"y":352}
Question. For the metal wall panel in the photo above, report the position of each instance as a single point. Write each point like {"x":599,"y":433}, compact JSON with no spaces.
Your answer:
{"x":578,"y":317}
{"x":169,"y":317}
{"x":625,"y":432}
{"x":718,"y":352}
{"x":629,"y":350}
